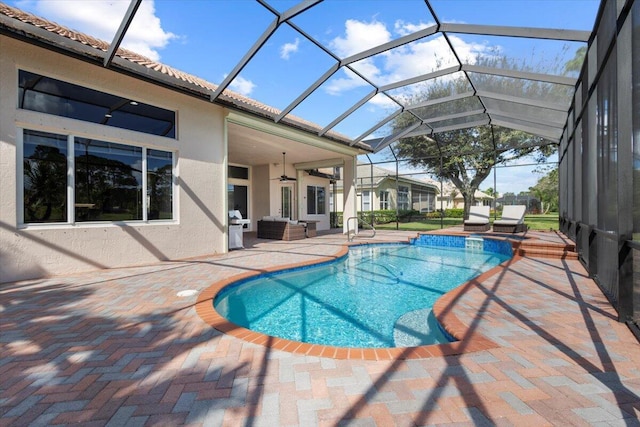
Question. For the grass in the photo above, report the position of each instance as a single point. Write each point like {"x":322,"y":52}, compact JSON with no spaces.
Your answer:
{"x":534,"y":222}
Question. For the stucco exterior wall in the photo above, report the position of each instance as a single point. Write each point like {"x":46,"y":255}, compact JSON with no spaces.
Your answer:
{"x":200,"y":209}
{"x":261,"y":183}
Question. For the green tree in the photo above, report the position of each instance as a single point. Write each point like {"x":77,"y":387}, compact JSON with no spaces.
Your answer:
{"x":574,"y":65}
{"x":468,"y":155}
{"x":546,"y":189}
{"x":45,"y":176}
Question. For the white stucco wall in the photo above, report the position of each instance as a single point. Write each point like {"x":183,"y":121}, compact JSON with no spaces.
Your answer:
{"x":199,"y":224}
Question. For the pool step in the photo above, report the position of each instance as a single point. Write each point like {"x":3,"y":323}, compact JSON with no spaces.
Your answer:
{"x":538,"y":249}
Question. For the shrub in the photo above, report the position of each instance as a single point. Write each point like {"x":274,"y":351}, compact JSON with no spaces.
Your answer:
{"x":454,"y":213}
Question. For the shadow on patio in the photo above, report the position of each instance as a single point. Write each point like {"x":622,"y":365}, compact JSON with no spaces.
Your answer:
{"x":119,"y":346}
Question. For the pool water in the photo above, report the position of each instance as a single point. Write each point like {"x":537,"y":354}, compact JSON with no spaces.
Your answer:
{"x":377,"y":296}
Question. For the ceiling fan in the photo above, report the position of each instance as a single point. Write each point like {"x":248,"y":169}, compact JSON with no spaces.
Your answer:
{"x":284,"y":177}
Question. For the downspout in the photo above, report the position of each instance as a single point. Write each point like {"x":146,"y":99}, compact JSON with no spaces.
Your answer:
{"x":335,"y":203}
{"x":441,"y":185}
{"x":441,"y":197}
{"x":495,"y":190}
{"x":371,"y":191}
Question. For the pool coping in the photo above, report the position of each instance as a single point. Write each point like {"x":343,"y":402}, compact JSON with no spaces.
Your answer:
{"x":468,"y":340}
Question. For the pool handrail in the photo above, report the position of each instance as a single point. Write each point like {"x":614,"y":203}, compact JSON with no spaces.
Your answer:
{"x":351,"y":236}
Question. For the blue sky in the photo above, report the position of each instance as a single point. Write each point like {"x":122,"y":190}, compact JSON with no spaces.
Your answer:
{"x":208,"y":38}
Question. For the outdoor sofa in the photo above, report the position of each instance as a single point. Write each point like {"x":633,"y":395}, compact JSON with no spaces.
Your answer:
{"x":278,"y":228}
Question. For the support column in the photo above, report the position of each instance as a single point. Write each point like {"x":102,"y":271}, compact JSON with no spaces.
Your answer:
{"x":350,"y":199}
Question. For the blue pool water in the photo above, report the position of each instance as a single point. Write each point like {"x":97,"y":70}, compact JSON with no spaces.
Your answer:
{"x":376,"y":296}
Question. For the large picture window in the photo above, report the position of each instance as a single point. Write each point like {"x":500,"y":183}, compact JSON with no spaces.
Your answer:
{"x":107,"y":182}
{"x":52,"y":96}
{"x":316,"y":200}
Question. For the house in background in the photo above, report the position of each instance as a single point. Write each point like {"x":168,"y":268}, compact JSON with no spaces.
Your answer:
{"x":132,"y":163}
{"x":452,"y":199}
{"x":378,"y":189}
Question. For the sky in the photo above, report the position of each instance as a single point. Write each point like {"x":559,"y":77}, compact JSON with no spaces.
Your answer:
{"x":208,"y":38}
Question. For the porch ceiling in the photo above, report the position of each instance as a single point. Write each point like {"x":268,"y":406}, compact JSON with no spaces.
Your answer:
{"x":253,"y":147}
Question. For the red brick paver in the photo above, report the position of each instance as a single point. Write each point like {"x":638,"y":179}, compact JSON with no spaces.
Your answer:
{"x":540,"y":345}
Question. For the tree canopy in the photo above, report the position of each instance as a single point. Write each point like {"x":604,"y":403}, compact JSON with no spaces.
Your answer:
{"x":546,"y":189}
{"x":466,"y":156}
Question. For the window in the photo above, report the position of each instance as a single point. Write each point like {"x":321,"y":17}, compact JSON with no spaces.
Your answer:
{"x":384,"y":200}
{"x":44,"y":177}
{"x":107,"y":182}
{"x":238,"y":172}
{"x":51,"y":96}
{"x":315,"y":200}
{"x":403,"y":198}
{"x":422,"y":198}
{"x":366,"y":201}
{"x":159,"y":184}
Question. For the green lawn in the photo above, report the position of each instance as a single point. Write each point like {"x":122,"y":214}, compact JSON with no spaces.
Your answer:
{"x":534,"y":222}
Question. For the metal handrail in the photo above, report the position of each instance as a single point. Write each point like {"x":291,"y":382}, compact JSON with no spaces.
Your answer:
{"x":351,"y":236}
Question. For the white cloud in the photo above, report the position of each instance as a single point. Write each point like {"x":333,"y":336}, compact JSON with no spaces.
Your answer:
{"x":288,"y":48}
{"x":417,"y":58}
{"x":405,"y":28}
{"x":383,"y":101}
{"x":102,"y":18}
{"x":414,"y":59}
{"x":342,"y":84}
{"x":242,"y":85}
{"x":360,"y":36}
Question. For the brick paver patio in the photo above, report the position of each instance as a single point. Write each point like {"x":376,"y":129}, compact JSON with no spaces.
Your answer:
{"x":119,"y":347}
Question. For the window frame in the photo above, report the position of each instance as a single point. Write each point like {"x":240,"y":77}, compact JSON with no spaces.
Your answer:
{"x":70,"y":193}
{"x":406,"y":197}
{"x":120,"y":108}
{"x":366,"y":200}
{"x":384,"y":201}
{"x":315,"y":201}
{"x":242,"y":182}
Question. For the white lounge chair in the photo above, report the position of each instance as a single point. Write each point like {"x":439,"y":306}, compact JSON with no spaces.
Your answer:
{"x":478,"y":219}
{"x":512,"y":220}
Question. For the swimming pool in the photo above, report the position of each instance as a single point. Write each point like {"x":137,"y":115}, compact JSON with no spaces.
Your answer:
{"x":377,"y":296}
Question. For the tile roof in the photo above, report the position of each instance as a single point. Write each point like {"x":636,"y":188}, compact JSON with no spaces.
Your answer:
{"x":96,"y":48}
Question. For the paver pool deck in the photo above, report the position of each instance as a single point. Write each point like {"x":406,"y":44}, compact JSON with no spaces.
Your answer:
{"x":120,"y":347}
